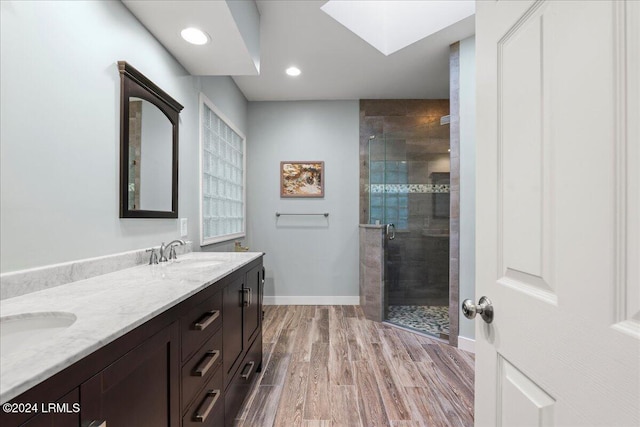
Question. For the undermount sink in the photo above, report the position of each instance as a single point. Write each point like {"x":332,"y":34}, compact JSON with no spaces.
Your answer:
{"x":21,"y":331}
{"x":196,"y":263}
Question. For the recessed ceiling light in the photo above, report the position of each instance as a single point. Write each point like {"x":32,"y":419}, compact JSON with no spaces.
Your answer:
{"x":293,"y":71}
{"x":195,"y":36}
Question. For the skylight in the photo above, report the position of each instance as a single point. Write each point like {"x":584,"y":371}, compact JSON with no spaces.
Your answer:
{"x":391,"y":25}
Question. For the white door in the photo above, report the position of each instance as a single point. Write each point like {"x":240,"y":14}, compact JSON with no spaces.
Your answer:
{"x":558,"y":196}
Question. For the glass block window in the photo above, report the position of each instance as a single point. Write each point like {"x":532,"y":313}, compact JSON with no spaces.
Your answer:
{"x":222,"y":177}
{"x":388,"y":194}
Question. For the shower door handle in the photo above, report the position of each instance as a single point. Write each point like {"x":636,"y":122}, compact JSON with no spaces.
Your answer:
{"x":391,"y":231}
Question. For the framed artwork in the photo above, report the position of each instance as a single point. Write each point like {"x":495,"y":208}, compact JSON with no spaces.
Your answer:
{"x":301,"y":179}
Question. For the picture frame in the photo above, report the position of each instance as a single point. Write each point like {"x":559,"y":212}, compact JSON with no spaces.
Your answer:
{"x":302,"y":179}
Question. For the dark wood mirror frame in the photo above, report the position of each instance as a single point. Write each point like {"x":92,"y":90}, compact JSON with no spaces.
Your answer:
{"x":134,"y":84}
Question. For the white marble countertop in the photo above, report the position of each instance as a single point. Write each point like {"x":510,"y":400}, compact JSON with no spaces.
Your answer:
{"x":106,"y":308}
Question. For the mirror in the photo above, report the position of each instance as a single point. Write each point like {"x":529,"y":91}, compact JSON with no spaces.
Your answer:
{"x":148,"y":147}
{"x":149,"y":181}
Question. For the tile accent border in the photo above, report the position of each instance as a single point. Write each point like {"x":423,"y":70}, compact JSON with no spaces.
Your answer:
{"x":23,"y":282}
{"x":407,"y":188}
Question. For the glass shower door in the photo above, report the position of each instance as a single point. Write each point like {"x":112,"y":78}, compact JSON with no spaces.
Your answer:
{"x":408,"y":183}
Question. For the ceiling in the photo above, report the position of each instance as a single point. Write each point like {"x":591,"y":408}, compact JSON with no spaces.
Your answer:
{"x":335,"y":63}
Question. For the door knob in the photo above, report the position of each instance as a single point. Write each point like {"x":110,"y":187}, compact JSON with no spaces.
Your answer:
{"x":484,"y":309}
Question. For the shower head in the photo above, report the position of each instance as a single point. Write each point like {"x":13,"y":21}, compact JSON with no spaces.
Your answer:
{"x":372,"y":137}
{"x":445,"y":120}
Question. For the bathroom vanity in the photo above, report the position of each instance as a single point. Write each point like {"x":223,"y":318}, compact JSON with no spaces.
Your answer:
{"x":155,"y":345}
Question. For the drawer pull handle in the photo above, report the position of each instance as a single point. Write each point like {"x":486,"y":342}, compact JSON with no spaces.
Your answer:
{"x":206,"y":320}
{"x":201,"y":415}
{"x":95,"y":423}
{"x":206,"y":363}
{"x":245,"y":376}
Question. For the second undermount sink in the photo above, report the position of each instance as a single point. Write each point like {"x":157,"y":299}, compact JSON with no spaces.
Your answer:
{"x":196,"y":263}
{"x":21,"y":331}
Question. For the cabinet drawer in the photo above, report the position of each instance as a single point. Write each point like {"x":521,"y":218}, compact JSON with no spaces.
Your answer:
{"x":200,"y":323}
{"x":197,"y":370}
{"x":240,"y":385}
{"x":207,"y":409}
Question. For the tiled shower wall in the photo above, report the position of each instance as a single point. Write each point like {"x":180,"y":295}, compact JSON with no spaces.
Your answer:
{"x":410,"y":124}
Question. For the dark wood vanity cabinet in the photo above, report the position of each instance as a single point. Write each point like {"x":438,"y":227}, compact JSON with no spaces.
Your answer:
{"x":202,"y":352}
{"x":190,"y":366}
{"x":59,"y":419}
{"x":242,"y":334}
{"x":252,"y":309}
{"x":242,"y":308}
{"x":141,"y":388}
{"x":232,"y":300}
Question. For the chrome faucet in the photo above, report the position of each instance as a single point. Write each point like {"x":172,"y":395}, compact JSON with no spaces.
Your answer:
{"x":171,"y":247}
{"x":154,"y":257}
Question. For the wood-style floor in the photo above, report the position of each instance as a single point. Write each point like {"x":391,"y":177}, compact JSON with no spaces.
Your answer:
{"x":329,"y":366}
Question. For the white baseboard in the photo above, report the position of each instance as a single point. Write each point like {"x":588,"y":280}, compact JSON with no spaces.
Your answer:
{"x":466,"y":344}
{"x":311,"y":300}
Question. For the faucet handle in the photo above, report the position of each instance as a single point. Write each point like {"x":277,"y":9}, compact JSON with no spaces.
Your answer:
{"x":172,"y":253}
{"x":153,"y":259}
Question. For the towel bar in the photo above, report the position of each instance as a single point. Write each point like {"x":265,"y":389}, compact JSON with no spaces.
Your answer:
{"x":325,"y":214}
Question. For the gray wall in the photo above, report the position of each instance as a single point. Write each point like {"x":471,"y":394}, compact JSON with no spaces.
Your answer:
{"x":467,"y":179}
{"x":305,"y":256}
{"x":60,"y":131}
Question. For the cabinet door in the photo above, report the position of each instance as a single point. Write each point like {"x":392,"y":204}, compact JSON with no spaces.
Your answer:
{"x":65,"y":413}
{"x":141,"y":388}
{"x":252,"y":302}
{"x":232,"y":299}
{"x":239,"y":387}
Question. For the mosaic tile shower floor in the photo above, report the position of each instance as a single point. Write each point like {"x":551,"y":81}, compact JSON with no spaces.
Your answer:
{"x":429,"y":319}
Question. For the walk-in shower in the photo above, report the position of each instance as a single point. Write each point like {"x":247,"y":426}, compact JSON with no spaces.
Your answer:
{"x":409,"y":181}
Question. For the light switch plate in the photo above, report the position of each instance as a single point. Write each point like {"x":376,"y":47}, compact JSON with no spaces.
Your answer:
{"x":183,"y":227}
